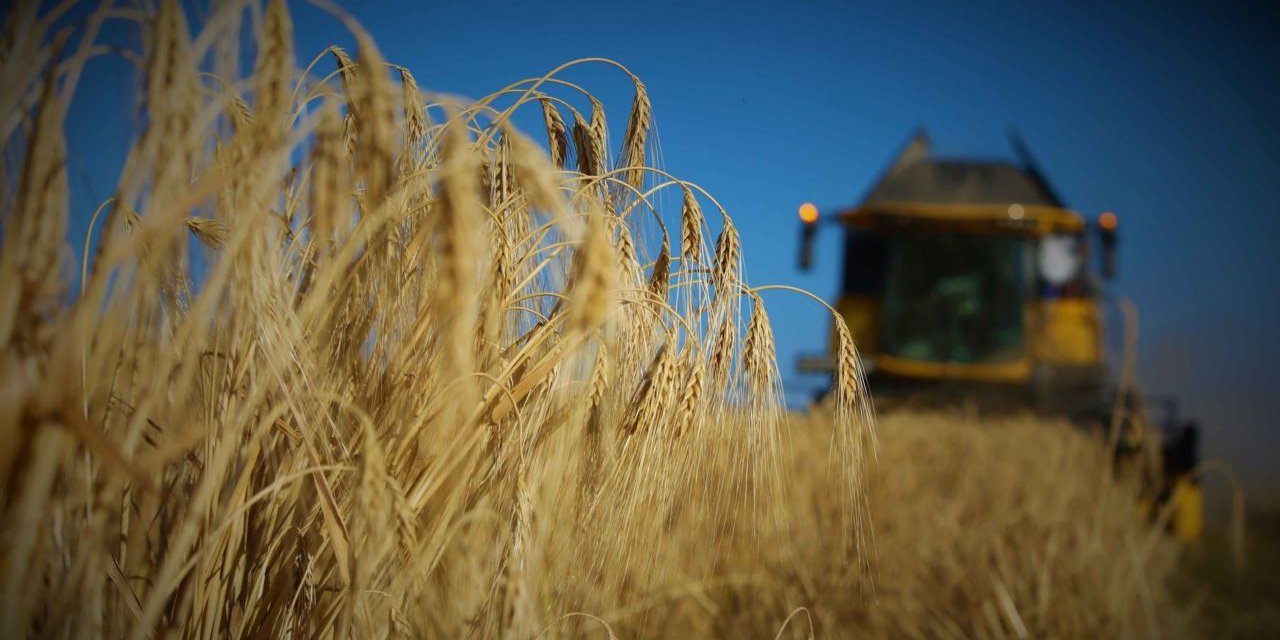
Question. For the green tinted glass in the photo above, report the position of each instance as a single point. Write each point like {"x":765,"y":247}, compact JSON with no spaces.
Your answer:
{"x":956,"y":298}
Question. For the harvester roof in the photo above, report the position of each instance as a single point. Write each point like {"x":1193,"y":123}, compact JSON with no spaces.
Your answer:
{"x":959,"y":182}
{"x":918,"y":185}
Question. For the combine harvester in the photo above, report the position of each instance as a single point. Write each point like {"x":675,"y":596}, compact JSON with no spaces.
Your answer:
{"x":967,"y":282}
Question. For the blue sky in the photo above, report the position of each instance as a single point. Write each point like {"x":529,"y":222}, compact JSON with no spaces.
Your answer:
{"x":1162,"y":112}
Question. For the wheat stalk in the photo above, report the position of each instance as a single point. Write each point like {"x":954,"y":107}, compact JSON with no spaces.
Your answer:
{"x":728,"y":260}
{"x":330,"y":178}
{"x":591,"y":285}
{"x":415,"y":115}
{"x":589,"y":162}
{"x":36,"y":230}
{"x":691,"y":221}
{"x":375,"y":120}
{"x":557,"y":133}
{"x":722,"y":353}
{"x":273,"y":75}
{"x":660,"y":279}
{"x":212,"y":233}
{"x":758,"y":351}
{"x":455,"y":294}
{"x":690,"y":404}
{"x":633,"y":141}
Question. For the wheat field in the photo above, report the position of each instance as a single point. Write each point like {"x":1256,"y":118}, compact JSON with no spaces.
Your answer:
{"x":349,"y":358}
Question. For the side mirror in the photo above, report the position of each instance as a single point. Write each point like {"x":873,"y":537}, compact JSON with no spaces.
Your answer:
{"x":808,"y":229}
{"x":1107,"y":223}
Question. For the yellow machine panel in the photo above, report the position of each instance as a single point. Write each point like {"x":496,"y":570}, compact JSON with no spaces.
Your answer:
{"x":1016,"y":371}
{"x":1068,"y":332}
{"x":861,"y":314}
{"x":1188,"y":515}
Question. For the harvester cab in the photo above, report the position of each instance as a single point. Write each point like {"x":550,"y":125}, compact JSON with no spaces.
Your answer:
{"x":969,"y":281}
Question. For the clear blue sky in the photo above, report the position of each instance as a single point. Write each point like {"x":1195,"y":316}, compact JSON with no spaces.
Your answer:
{"x":1163,"y":112}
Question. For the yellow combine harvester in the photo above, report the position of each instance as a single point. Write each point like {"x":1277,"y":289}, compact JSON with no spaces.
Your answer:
{"x":968,"y":281}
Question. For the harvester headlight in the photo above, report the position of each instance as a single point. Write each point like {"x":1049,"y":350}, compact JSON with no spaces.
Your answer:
{"x":1107,"y":221}
{"x":808,"y":213}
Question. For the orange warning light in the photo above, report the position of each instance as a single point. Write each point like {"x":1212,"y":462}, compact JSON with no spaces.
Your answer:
{"x":808,"y":213}
{"x":1107,"y":221}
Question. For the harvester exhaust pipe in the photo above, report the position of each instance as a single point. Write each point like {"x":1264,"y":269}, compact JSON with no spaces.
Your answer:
{"x":1107,"y":223}
{"x":808,"y":229}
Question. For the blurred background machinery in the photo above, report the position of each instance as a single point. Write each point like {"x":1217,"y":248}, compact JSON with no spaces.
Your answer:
{"x":968,"y":282}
